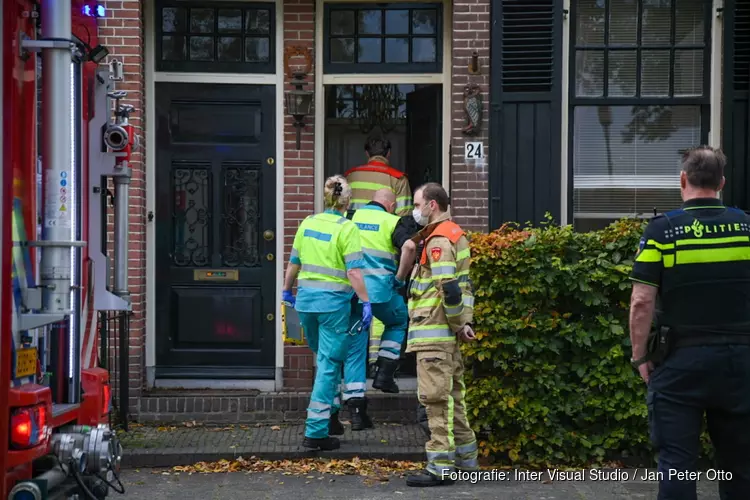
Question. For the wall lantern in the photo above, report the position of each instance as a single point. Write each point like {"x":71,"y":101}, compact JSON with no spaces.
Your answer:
{"x":299,"y":103}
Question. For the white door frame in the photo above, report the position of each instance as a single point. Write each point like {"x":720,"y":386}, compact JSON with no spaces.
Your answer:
{"x":321,"y":79}
{"x":151,"y":77}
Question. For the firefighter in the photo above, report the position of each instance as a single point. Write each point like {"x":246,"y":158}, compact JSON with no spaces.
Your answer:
{"x":327,"y":255}
{"x":377,"y":174}
{"x":384,"y":277}
{"x":695,"y":263}
{"x":441,"y":308}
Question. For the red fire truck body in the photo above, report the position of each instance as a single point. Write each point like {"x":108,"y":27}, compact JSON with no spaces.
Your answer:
{"x":59,"y":147}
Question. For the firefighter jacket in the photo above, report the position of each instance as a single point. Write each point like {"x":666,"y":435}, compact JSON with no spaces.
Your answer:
{"x":441,"y":300}
{"x":325,"y":247}
{"x":380,"y":265}
{"x":378,"y":174}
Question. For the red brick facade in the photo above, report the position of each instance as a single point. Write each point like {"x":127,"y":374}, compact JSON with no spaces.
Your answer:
{"x":123,"y":33}
{"x":469,"y":188}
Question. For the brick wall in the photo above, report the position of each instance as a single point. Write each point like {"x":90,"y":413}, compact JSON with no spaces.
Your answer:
{"x":469,"y":182}
{"x":299,"y":30}
{"x":122,"y":33}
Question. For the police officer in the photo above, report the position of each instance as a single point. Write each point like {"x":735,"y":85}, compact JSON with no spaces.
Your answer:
{"x":378,"y":174}
{"x":696,"y":261}
{"x":327,"y":255}
{"x":384,"y":277}
{"x":441,"y":308}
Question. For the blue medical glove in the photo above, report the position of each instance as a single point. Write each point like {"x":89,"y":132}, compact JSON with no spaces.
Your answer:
{"x":288,"y":298}
{"x":366,"y":315}
{"x":398,"y":284}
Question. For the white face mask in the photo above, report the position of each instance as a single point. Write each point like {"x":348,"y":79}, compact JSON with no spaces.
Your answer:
{"x":420,"y":219}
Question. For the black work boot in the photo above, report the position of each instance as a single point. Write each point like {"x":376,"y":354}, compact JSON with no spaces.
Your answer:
{"x":358,"y":410}
{"x":426,"y":478}
{"x":384,"y":376}
{"x":335,"y":427}
{"x":324,"y":444}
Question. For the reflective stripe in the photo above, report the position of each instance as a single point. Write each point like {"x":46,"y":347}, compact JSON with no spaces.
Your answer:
{"x":430,"y":333}
{"x":389,"y":344}
{"x":378,"y":253}
{"x":337,"y":401}
{"x":324,"y":285}
{"x":294,"y":254}
{"x":465,"y":449}
{"x":440,"y":470}
{"x":311,"y":268}
{"x":388,"y":354}
{"x":353,"y":256}
{"x":317,"y":405}
{"x":649,"y":255}
{"x":714,"y":241}
{"x":454,"y":310}
{"x":468,"y":301}
{"x":463,"y":254}
{"x":355,"y":386}
{"x":713,"y":255}
{"x":341,"y":220}
{"x":443,"y":269}
{"x":376,"y":272}
{"x":353,"y":395}
{"x":441,"y":456}
{"x":319,"y":415}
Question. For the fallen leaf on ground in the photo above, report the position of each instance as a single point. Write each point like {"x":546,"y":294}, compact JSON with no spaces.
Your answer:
{"x":375,"y":469}
{"x":166,"y":428}
{"x":275,"y":428}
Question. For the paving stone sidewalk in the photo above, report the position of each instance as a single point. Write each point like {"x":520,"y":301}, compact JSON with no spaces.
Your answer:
{"x":151,"y":446}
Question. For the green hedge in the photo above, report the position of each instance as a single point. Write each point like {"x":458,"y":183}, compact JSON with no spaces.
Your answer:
{"x":549,"y":378}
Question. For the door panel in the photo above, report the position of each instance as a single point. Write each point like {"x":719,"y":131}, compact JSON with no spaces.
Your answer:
{"x":215,"y":270}
{"x":424,"y":132}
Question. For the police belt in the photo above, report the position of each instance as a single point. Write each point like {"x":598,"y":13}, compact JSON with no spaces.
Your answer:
{"x":703,"y":336}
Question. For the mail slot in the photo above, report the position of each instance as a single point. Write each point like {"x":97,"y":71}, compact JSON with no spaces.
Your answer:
{"x":216,"y":275}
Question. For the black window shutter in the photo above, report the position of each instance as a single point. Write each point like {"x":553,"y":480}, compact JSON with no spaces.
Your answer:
{"x":742,"y":45}
{"x":528,"y":45}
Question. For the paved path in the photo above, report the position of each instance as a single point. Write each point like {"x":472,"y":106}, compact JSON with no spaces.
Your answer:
{"x":239,"y":485}
{"x":181,"y":445}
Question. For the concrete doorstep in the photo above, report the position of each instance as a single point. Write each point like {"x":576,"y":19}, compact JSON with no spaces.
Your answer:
{"x":188,"y":443}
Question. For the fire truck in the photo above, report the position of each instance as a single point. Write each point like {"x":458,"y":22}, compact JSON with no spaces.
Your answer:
{"x":66,"y":145}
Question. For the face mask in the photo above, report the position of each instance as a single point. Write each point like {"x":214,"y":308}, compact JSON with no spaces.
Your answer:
{"x":420,"y":218}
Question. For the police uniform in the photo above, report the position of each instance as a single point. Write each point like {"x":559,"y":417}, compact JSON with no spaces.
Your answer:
{"x":378,"y":174}
{"x":441,"y":303}
{"x":699,"y":258}
{"x":325,"y":247}
{"x":377,"y":228}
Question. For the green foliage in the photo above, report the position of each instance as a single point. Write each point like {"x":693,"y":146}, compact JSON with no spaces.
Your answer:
{"x":549,"y":377}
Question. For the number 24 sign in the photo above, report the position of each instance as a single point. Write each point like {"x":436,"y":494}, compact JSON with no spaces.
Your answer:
{"x":473,"y":150}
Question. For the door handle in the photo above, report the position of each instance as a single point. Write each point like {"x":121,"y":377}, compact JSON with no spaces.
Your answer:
{"x":269,"y":317}
{"x":269,"y":257}
{"x":268,"y":235}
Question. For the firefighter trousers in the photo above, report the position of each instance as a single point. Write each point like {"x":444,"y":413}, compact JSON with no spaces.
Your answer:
{"x":441,"y":389}
{"x":328,"y":337}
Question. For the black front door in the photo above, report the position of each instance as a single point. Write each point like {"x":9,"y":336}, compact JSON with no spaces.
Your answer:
{"x":215,"y":231}
{"x":424,"y":131}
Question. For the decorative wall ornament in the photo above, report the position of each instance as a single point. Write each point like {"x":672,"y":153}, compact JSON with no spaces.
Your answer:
{"x":472,"y":109}
{"x":291,"y":51}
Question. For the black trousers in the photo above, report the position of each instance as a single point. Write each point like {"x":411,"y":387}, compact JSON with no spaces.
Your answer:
{"x":695,"y":381}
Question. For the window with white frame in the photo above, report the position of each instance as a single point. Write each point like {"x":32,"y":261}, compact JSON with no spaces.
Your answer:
{"x":639,"y":97}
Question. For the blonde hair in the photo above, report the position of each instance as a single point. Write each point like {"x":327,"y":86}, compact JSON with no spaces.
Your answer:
{"x":338,"y":193}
